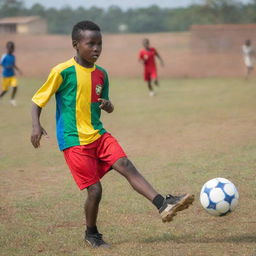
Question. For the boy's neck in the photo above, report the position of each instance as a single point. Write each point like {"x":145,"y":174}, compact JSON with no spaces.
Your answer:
{"x":83,"y":62}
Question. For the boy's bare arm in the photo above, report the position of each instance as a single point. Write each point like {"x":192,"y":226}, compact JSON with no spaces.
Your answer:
{"x":106,"y":105}
{"x":37,"y":129}
{"x":16,"y":67}
{"x":160,"y":59}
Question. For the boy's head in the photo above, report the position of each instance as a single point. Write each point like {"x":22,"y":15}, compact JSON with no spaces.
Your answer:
{"x":10,"y":47}
{"x":248,"y":42}
{"x":87,"y":40}
{"x":145,"y":43}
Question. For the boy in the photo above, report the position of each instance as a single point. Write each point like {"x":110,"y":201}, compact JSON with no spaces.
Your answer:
{"x":249,"y":56}
{"x":9,"y":79}
{"x":147,"y":57}
{"x":81,"y":91}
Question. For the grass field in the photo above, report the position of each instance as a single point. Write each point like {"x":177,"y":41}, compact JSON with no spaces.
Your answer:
{"x":192,"y":131}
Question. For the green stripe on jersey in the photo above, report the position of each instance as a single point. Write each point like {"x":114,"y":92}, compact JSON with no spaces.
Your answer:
{"x":68,"y":91}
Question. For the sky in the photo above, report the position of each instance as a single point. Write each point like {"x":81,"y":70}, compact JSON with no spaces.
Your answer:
{"x":124,"y":4}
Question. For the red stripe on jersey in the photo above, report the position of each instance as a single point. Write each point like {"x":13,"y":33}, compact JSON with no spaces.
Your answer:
{"x":97,"y":84}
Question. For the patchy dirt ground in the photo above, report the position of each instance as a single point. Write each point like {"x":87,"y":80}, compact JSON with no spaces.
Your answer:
{"x":192,"y":131}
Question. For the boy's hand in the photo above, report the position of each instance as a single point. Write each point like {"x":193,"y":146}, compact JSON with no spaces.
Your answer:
{"x":36,"y":135}
{"x":106,"y":105}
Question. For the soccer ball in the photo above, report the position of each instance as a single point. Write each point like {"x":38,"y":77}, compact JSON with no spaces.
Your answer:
{"x":219,"y":196}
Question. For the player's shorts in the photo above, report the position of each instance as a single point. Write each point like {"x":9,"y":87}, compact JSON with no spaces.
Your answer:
{"x":8,"y":81}
{"x":89,"y":163}
{"x":150,"y":74}
{"x":248,"y":62}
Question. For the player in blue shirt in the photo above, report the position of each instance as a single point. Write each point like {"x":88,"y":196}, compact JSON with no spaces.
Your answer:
{"x":9,"y":67}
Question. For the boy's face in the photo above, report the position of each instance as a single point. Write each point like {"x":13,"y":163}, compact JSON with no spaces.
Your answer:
{"x":89,"y":46}
{"x":10,"y":48}
{"x":145,"y":43}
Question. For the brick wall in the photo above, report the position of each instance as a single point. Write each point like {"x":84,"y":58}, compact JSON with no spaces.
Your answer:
{"x":221,"y":38}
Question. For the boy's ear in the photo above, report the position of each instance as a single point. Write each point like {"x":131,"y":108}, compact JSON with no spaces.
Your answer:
{"x":74,"y":43}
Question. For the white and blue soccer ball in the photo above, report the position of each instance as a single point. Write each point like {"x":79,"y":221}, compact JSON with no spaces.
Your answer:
{"x":219,"y":196}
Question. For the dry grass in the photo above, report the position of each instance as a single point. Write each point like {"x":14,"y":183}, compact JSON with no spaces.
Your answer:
{"x":193,"y":130}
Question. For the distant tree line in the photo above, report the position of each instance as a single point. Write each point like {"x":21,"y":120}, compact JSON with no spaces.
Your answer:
{"x":141,"y":20}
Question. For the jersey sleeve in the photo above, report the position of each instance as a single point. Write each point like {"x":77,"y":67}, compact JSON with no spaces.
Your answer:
{"x":154,"y":51}
{"x":2,"y":60}
{"x":105,"y":90}
{"x":141,"y":55}
{"x":43,"y":95}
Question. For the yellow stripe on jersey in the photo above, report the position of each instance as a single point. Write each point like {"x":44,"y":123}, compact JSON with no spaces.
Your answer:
{"x":86,"y":132}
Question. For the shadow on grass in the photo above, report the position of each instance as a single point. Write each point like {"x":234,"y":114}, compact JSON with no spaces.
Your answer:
{"x":190,"y":238}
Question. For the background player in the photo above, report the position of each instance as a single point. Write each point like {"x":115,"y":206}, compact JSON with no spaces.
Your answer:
{"x":9,"y":66}
{"x":147,"y":57}
{"x":249,"y":57}
{"x":81,"y":90}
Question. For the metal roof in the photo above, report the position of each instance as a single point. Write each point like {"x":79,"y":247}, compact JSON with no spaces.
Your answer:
{"x":19,"y":20}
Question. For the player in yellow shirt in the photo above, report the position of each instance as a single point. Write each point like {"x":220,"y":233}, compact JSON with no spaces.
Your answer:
{"x":81,"y":89}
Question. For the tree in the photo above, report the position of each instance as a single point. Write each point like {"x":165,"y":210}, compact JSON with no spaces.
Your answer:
{"x":219,"y":3}
{"x":151,"y":19}
{"x":37,"y":9}
{"x":10,"y":8}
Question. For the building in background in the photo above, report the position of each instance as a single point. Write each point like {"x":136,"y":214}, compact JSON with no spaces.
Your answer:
{"x":23,"y":25}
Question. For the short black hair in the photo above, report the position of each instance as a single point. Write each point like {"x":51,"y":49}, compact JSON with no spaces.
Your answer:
{"x":248,"y":42}
{"x":82,"y":26}
{"x":10,"y":44}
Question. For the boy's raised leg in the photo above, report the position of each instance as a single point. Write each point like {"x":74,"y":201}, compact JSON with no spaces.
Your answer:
{"x":125,"y":167}
{"x":168,"y":206}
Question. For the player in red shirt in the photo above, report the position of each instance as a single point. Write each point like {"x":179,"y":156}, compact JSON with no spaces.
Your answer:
{"x":147,"y":57}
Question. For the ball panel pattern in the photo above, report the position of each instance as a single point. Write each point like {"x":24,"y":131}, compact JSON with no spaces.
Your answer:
{"x":216,"y":195}
{"x":234,"y":204}
{"x":213,"y":212}
{"x":222,"y":207}
{"x":211,"y":183}
{"x":236,"y":195}
{"x":223,"y":180}
{"x":219,"y":196}
{"x":204,"y":200}
{"x":229,"y":189}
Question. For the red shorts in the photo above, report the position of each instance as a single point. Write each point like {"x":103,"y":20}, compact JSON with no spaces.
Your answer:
{"x":89,"y":163}
{"x":149,"y":74}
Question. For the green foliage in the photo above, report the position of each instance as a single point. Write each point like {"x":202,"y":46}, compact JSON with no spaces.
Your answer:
{"x":11,"y":8}
{"x":151,"y":19}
